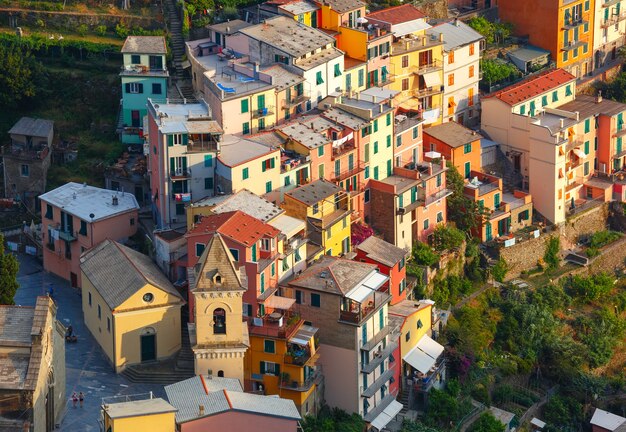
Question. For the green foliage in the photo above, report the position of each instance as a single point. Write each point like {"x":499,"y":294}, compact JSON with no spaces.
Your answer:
{"x":82,"y":29}
{"x":121,"y":30}
{"x":493,"y":32}
{"x":230,"y":12}
{"x":500,"y":270}
{"x":507,"y":393}
{"x":18,"y":74}
{"x":333,"y":420}
{"x":551,"y":297}
{"x":442,"y":408}
{"x":464,"y":212}
{"x":603,"y":238}
{"x":615,"y":89}
{"x":186,"y":22}
{"x":423,"y":254}
{"x":487,"y":423}
{"x":471,"y":330}
{"x":449,"y":289}
{"x":101,"y":30}
{"x":9,"y":267}
{"x":495,"y":71}
{"x":551,"y":256}
{"x":601,"y":333}
{"x":589,"y":288}
{"x":447,"y":237}
{"x":40,"y":44}
{"x":411,"y":426}
{"x":566,"y":412}
{"x":592,"y":252}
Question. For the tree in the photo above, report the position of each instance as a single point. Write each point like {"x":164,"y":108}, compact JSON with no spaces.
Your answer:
{"x":466,"y":214}
{"x":553,"y":249}
{"x":487,"y":423}
{"x":447,"y":237}
{"x":495,"y":71}
{"x":17,"y":75}
{"x":9,"y":267}
{"x":423,"y":254}
{"x":500,"y":270}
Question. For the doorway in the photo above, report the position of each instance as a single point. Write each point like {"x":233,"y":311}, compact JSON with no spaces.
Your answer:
{"x":74,"y":280}
{"x":517,"y":162}
{"x":148,"y":346}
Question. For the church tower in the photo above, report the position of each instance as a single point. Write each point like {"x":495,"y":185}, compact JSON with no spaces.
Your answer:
{"x":221,"y":335}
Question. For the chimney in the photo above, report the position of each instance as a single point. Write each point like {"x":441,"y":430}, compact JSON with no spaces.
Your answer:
{"x":406,"y":44}
{"x":374,"y":99}
{"x":457,"y":22}
{"x":201,"y":410}
{"x":440,"y":37}
{"x":74,"y":195}
{"x":114,"y":201}
{"x":430,"y":168}
{"x":312,"y":126}
{"x":256,"y":70}
{"x":423,"y":40}
{"x":599,"y":97}
{"x":562,"y":123}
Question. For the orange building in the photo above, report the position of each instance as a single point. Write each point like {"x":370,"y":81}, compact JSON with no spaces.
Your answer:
{"x":563,"y":27}
{"x":456,"y":143}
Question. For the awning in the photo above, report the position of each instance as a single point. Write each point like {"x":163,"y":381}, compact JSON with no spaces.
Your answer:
{"x":382,"y":419}
{"x":360,"y":293}
{"x":432,"y":155}
{"x":304,"y":335}
{"x":375,"y":281}
{"x":430,"y":347}
{"x":432,"y":79}
{"x":581,"y":154}
{"x":419,"y":360}
{"x":277,"y":302}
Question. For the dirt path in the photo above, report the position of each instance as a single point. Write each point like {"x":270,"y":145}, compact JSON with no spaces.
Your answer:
{"x":71,"y":13}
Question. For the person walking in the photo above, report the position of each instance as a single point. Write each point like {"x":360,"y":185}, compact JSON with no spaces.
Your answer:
{"x":74,"y":399}
{"x":81,"y":398}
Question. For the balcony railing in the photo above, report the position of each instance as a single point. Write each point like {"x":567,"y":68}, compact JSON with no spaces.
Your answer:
{"x":296,"y":100}
{"x":67,"y":236}
{"x":263,"y":112}
{"x":267,"y":326}
{"x":344,"y":148}
{"x":369,"y":345}
{"x":427,"y":91}
{"x":355,"y":169}
{"x":143,"y":70}
{"x":305,"y":385}
{"x":425,"y":383}
{"x":436,"y":196}
{"x":202,"y":146}
{"x":433,"y":66}
{"x":374,"y":387}
{"x":571,"y":23}
{"x":571,"y":45}
{"x":181,"y":174}
{"x":379,"y":357}
{"x":19,"y":152}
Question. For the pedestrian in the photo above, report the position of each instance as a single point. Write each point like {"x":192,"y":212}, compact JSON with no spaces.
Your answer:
{"x":74,"y":399}
{"x":51,"y":291}
{"x":70,"y":331}
{"x":81,"y":398}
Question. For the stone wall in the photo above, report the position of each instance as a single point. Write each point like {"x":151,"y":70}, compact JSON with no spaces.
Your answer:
{"x":71,"y":20}
{"x":524,"y":256}
{"x":434,"y":9}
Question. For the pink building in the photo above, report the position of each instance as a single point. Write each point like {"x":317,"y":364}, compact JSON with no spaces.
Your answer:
{"x":77,"y":217}
{"x":209,"y":403}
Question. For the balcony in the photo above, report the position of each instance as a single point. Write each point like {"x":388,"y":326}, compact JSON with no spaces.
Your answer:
{"x":609,"y":3}
{"x":343,"y":149}
{"x":380,"y":406}
{"x":369,"y":345}
{"x":180,"y":174}
{"x":374,"y":387}
{"x":435,"y":65}
{"x":351,"y":171}
{"x":436,"y":196}
{"x":424,"y":382}
{"x":427,"y":91}
{"x":291,"y":160}
{"x":379,"y":357}
{"x":572,"y":45}
{"x":202,"y":144}
{"x":273,"y":326}
{"x":66,"y":236}
{"x":296,"y":100}
{"x":20,"y":152}
{"x":613,"y":19}
{"x":302,"y":386}
{"x":143,"y":70}
{"x":354,"y":312}
{"x":263,"y":112}
{"x":573,"y":23}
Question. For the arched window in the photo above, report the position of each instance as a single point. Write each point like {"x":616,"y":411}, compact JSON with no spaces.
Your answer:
{"x":220,"y":373}
{"x":219,"y":321}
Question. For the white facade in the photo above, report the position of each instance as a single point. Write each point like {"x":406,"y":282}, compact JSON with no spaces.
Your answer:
{"x":609,"y":29}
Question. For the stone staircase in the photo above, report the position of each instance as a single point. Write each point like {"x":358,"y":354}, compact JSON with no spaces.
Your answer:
{"x":504,"y":168}
{"x":185,"y":360}
{"x":158,"y":373}
{"x":177,"y":42}
{"x":403,"y":398}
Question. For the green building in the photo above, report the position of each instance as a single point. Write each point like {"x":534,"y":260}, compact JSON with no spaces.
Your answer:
{"x":144,"y":75}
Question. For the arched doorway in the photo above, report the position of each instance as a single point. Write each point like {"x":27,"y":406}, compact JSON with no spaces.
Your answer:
{"x":148,"y":344}
{"x":220,"y":373}
{"x":49,"y":402}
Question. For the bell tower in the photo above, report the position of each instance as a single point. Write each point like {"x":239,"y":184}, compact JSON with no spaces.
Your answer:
{"x":221,"y":335}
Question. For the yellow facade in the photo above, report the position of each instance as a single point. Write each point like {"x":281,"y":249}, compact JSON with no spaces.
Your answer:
{"x":381,"y":147}
{"x":161,"y":422}
{"x":307,"y":18}
{"x":356,"y":78}
{"x":353,"y":42}
{"x":291,"y":381}
{"x":252,"y":176}
{"x":333,"y":224}
{"x":119,"y":332}
{"x":411,"y":60}
{"x":569,"y":32}
{"x":415,"y":332}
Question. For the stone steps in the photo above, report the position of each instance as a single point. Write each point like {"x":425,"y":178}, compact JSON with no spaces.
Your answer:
{"x":146,"y":375}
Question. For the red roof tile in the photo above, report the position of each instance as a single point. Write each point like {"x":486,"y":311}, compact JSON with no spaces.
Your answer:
{"x":531,"y":87}
{"x":398,"y":14}
{"x":236,"y":225}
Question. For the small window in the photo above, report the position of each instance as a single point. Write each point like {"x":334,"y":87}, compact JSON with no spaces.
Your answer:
{"x":407,"y":337}
{"x":99,"y":312}
{"x":244,"y":106}
{"x":89,"y":299}
{"x":219,"y":321}
{"x":156,"y":88}
{"x":245,"y":173}
{"x":132,"y":221}
{"x":199,"y":249}
{"x":315,"y":300}
{"x":268,"y":187}
{"x":245,"y":128}
{"x":316,"y":208}
{"x":318,"y":78}
{"x":439,"y":217}
{"x":135,"y":59}
{"x":269,"y":346}
{"x":467,"y":148}
{"x":83,"y":228}
{"x":148,"y":297}
{"x":235,"y":254}
{"x":208,"y":183}
{"x":109,"y":324}
{"x":25,"y":170}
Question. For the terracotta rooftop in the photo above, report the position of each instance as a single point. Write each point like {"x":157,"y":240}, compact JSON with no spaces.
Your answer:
{"x":532,"y":87}
{"x":237,"y":225}
{"x":397,"y":14}
{"x":381,"y":251}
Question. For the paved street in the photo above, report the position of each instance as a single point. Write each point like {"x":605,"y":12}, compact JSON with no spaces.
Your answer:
{"x":87,"y":368}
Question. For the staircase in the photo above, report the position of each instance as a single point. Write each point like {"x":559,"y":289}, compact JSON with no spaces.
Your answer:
{"x":403,"y":398}
{"x":504,"y":168}
{"x":157,"y":373}
{"x":185,"y":359}
{"x":177,"y":42}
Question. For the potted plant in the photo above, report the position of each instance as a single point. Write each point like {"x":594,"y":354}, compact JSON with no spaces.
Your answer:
{"x":285,"y":377}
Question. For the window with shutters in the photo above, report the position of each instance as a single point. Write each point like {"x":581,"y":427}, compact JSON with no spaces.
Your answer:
{"x":245,"y":128}
{"x":337,"y":70}
{"x":471,"y":71}
{"x":318,"y":78}
{"x":270,"y":368}
{"x":177,"y":139}
{"x":268,"y":187}
{"x":451,"y":79}
{"x":134,"y":88}
{"x":268,"y":164}
{"x":451,"y":57}
{"x":471,"y":49}
{"x":244,"y":106}
{"x":269,"y":346}
{"x":208,"y":161}
{"x":405,"y":84}
{"x":316,"y":300}
{"x":405,"y":61}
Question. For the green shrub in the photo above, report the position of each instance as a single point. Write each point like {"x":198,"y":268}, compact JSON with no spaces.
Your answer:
{"x":121,"y":30}
{"x":82,"y":29}
{"x":101,"y":30}
{"x":447,"y":238}
{"x":500,"y":270}
{"x":590,"y":288}
{"x":592,"y":252}
{"x":603,"y":238}
{"x":551,"y":256}
{"x":423,"y":254}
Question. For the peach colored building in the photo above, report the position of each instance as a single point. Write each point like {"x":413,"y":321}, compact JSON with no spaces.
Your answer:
{"x":209,"y":403}
{"x":458,"y":144}
{"x":76,"y":217}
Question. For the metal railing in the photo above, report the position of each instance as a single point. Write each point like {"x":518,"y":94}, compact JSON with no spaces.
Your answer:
{"x":263,"y":112}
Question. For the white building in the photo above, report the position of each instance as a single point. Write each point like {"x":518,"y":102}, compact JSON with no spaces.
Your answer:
{"x":461,"y":71}
{"x":608,"y":28}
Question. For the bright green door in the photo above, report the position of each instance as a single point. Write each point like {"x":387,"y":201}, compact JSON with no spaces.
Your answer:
{"x":260,"y":100}
{"x":468,"y":169}
{"x":488,"y":233}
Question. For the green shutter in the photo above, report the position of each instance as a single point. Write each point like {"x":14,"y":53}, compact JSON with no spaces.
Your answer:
{"x":262,"y":368}
{"x":273,"y":163}
{"x":244,"y":106}
{"x":184,"y":164}
{"x":389,"y":119}
{"x":263,"y":166}
{"x":172,"y":166}
{"x":587,"y":125}
{"x":170,"y":140}
{"x":375,"y":125}
{"x":185,"y":139}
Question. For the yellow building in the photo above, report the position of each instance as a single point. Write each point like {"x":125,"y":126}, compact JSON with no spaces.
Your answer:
{"x":219,"y":339}
{"x":326,"y":208}
{"x":282,"y":359}
{"x":154,"y":415}
{"x":303,"y":11}
{"x":355,"y":72}
{"x":129,"y":306}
